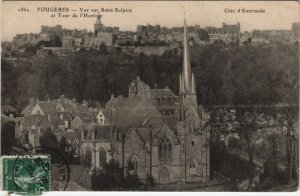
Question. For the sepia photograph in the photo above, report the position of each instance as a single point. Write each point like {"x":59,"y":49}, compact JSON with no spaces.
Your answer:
{"x":163,"y":96}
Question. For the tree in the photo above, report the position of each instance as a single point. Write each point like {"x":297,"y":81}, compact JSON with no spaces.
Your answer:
{"x":110,"y":177}
{"x":103,"y":48}
{"x":48,"y":139}
{"x":286,"y":117}
{"x":55,"y":42}
{"x":7,"y":136}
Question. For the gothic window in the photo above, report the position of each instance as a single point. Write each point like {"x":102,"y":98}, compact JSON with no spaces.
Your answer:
{"x":165,"y":149}
{"x":88,"y":158}
{"x":102,"y":157}
{"x":133,"y":165}
{"x":193,"y":167}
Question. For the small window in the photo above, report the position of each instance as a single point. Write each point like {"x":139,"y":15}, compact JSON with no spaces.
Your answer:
{"x":193,"y":143}
{"x":193,"y":167}
{"x":68,"y":149}
{"x":68,"y":141}
{"x":75,"y":141}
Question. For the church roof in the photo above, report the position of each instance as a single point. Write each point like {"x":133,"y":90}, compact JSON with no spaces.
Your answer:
{"x":144,"y":133}
{"x":134,"y":111}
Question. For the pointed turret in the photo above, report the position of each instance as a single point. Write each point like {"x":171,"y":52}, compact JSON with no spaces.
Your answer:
{"x":186,"y":67}
{"x":187,"y":87}
{"x":193,"y":84}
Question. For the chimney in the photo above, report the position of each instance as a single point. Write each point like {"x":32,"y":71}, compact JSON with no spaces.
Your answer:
{"x":61,"y":116}
{"x":138,"y":78}
{"x":112,"y":96}
{"x":62,"y":98}
{"x":49,"y":117}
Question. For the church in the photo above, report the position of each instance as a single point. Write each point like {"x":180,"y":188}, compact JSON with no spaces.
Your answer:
{"x":153,"y":132}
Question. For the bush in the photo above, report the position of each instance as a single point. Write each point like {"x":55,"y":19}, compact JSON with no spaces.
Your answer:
{"x":108,"y":178}
{"x":132,"y":182}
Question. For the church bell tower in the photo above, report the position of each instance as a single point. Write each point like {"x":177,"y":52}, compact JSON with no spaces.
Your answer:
{"x":187,"y":88}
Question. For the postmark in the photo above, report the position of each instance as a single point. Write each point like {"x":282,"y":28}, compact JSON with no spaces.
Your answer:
{"x":31,"y":171}
{"x":30,"y":174}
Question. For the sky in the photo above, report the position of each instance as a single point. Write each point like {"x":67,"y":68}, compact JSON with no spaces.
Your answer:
{"x":278,"y":15}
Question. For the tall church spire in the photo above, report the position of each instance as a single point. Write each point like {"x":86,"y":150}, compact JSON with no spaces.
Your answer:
{"x":187,"y":82}
{"x":187,"y":88}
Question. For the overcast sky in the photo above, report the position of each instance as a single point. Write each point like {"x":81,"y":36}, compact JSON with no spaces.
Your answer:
{"x":279,"y":15}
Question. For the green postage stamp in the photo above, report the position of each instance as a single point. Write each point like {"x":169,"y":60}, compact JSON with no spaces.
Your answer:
{"x":28,"y":174}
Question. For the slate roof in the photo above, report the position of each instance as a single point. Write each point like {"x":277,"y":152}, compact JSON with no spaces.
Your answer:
{"x":35,"y":120}
{"x":8,"y":109}
{"x":144,"y":133}
{"x":56,"y":121}
{"x":105,"y":112}
{"x":166,"y":92}
{"x":27,"y":109}
{"x":48,"y":107}
{"x":80,"y":109}
{"x":66,"y":115}
{"x":85,"y":117}
{"x":116,"y":102}
{"x":134,"y":111}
